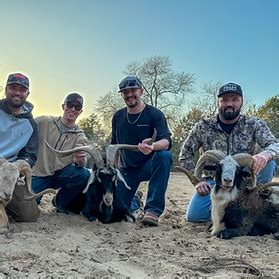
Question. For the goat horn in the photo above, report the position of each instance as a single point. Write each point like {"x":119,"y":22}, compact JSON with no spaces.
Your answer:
{"x":189,"y":174}
{"x":90,"y":149}
{"x":112,"y":149}
{"x":112,"y":152}
{"x":246,"y":160}
{"x":40,"y":194}
{"x":213,"y":156}
{"x":24,"y":167}
{"x":268,"y":184}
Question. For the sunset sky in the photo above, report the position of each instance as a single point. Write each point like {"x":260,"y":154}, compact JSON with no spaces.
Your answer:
{"x":84,"y":45}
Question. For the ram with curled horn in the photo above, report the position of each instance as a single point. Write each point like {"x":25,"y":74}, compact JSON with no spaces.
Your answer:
{"x":100,"y":191}
{"x":13,"y":174}
{"x":239,"y":205}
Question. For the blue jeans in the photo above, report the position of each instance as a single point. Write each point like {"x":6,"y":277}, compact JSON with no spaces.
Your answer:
{"x":71,"y":180}
{"x":157,"y":172}
{"x":199,"y":207}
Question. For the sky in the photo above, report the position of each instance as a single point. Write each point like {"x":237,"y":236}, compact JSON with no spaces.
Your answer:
{"x":84,"y":45}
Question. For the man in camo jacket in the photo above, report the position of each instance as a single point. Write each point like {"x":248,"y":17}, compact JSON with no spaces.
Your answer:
{"x":231,"y":133}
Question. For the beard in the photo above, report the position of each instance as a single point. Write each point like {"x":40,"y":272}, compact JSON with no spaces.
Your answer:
{"x":131,"y":102}
{"x":15,"y":103}
{"x":229,"y":115}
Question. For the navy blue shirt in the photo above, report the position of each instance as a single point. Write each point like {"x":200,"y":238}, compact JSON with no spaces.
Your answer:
{"x":141,"y":126}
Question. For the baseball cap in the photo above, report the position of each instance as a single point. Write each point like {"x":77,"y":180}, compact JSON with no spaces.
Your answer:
{"x":230,"y":88}
{"x":73,"y":98}
{"x":129,"y":82}
{"x":19,"y":79}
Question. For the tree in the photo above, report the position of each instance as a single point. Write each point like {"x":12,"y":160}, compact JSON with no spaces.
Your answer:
{"x":269,"y":111}
{"x":164,"y":89}
{"x":108,"y":105}
{"x":94,"y":130}
{"x":182,"y":128}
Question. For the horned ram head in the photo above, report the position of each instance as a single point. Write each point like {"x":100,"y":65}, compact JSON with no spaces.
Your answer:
{"x":228,"y":163}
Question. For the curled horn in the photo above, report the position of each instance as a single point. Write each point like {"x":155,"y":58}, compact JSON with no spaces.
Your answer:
{"x":213,"y":156}
{"x":246,"y":160}
{"x":189,"y":174}
{"x":112,"y":150}
{"x":90,"y":149}
{"x":40,"y":194}
{"x":25,"y":169}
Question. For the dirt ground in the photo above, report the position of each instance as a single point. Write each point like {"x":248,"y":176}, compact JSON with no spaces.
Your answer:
{"x":61,"y":245}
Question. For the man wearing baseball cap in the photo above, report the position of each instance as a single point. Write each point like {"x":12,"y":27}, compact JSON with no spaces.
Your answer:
{"x":18,"y":140}
{"x":230,"y":132}
{"x":67,"y":173}
{"x":135,"y":124}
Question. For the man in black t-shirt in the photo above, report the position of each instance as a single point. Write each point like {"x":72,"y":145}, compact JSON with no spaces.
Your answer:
{"x":135,"y":124}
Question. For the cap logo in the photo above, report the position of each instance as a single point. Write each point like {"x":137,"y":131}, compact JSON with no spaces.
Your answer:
{"x":229,"y":87}
{"x":19,"y":76}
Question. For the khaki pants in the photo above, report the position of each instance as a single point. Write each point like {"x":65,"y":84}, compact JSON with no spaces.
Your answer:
{"x":22,"y":210}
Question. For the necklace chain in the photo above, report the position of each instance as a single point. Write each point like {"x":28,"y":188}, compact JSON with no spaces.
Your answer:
{"x":136,"y":120}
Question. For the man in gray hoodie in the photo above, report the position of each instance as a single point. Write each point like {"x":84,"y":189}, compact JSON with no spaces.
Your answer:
{"x":18,"y":140}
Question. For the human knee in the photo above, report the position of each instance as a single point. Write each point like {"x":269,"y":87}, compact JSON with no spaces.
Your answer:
{"x":163,"y":156}
{"x":199,"y":209}
{"x":196,"y":217}
{"x":266,"y":175}
{"x":82,"y":175}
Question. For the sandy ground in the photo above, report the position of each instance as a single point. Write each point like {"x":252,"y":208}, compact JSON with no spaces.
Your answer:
{"x":61,"y":245}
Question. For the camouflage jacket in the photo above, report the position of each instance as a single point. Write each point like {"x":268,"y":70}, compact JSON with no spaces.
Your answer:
{"x":207,"y":134}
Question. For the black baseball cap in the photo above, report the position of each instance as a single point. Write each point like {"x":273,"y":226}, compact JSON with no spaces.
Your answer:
{"x":230,"y":88}
{"x":73,"y":98}
{"x":19,"y":79}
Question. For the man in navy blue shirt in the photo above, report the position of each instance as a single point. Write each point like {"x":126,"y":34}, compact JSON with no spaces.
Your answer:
{"x":135,"y":124}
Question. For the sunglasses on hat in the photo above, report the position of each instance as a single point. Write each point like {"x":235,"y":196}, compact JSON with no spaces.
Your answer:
{"x":128,"y":83}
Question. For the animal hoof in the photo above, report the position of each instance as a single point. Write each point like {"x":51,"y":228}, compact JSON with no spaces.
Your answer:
{"x":224,"y":234}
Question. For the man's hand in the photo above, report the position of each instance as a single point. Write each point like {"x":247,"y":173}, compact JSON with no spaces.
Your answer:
{"x":260,"y":161}
{"x":203,"y":188}
{"x":144,"y":147}
{"x":79,"y":158}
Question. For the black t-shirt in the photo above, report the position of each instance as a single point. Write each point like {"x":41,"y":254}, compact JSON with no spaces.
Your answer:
{"x":227,"y":128}
{"x":141,"y":126}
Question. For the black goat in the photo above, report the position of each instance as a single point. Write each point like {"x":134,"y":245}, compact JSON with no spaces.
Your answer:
{"x":100,"y":193}
{"x":239,"y":206}
{"x":101,"y":200}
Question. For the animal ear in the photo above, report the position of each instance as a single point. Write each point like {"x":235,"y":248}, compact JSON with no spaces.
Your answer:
{"x":245,"y":172}
{"x":98,"y":175}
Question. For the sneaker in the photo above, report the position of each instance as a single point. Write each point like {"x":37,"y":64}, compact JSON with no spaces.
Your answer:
{"x":150,"y":219}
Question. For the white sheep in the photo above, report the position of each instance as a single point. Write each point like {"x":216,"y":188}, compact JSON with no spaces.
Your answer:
{"x":11,"y":174}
